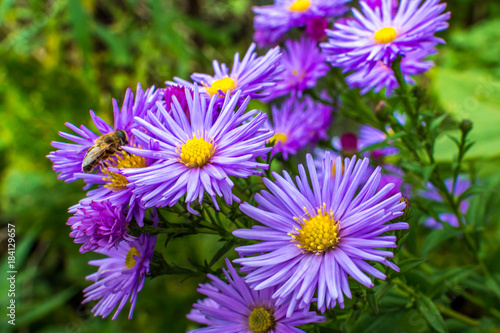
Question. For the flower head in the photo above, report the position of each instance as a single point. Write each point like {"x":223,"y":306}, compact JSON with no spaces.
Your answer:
{"x":199,"y":155}
{"x":381,"y":76}
{"x":299,"y":123}
{"x":250,"y":76}
{"x":303,"y":65}
{"x":196,"y":315}
{"x":378,"y":3}
{"x":369,"y":136}
{"x":234,"y":307}
{"x":97,"y":225}
{"x":179,"y":92}
{"x":316,"y":27}
{"x":112,"y":184}
{"x":312,"y":239}
{"x":69,"y":157}
{"x":121,"y":276}
{"x":377,"y":35}
{"x":272,"y":21}
{"x":457,"y":189}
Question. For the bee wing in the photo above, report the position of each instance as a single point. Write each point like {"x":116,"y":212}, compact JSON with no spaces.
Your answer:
{"x":93,"y":156}
{"x":82,"y":150}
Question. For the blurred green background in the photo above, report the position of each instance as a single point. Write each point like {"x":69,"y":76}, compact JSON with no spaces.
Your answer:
{"x":61,"y":58}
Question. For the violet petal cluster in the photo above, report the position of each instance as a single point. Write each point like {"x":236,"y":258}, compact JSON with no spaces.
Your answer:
{"x":352,"y":218}
{"x":235,"y":307}
{"x":197,"y":156}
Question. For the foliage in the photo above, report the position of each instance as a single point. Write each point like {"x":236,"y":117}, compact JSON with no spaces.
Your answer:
{"x":64,"y":57}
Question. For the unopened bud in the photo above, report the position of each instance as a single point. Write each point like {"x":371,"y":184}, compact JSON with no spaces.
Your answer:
{"x":465,"y":126}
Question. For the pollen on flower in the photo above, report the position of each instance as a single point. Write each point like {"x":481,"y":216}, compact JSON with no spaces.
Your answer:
{"x":318,"y":233}
{"x":223,"y":85}
{"x":116,"y":181}
{"x":300,"y":5}
{"x":130,"y":261}
{"x":385,"y":35}
{"x":196,"y":152}
{"x":261,"y":320}
{"x":278,"y":137}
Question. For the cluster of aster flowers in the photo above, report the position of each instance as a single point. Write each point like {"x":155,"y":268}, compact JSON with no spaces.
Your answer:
{"x":183,"y":141}
{"x":188,"y":143}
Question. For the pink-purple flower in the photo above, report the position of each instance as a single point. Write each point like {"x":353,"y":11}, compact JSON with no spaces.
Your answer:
{"x":377,"y":35}
{"x":249,"y":76}
{"x":272,"y":21}
{"x":303,"y":65}
{"x":121,"y":276}
{"x":197,"y":155}
{"x":98,"y":225}
{"x":298,"y":124}
{"x":313,"y":236}
{"x":235,"y":307}
{"x":382,"y":76}
{"x":461,"y":185}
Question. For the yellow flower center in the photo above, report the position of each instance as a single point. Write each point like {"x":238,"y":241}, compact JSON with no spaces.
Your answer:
{"x":220,"y":85}
{"x":385,"y":35}
{"x":300,"y":5}
{"x":196,"y":152}
{"x":130,"y":261}
{"x":116,"y":181}
{"x":278,"y":137}
{"x":318,"y":233}
{"x":261,"y":320}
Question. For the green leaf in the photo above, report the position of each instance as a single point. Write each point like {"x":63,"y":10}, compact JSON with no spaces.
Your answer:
{"x":436,"y":122}
{"x":493,"y":286}
{"x":430,"y":312}
{"x":383,"y":323}
{"x":372,"y":301}
{"x":4,"y":7}
{"x":81,"y":27}
{"x":438,"y":236}
{"x":408,"y":264}
{"x":49,"y":305}
{"x":450,"y":278}
{"x":222,"y":251}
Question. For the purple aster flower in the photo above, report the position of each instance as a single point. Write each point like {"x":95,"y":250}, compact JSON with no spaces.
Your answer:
{"x":316,"y":27}
{"x":69,"y":156}
{"x":241,"y":309}
{"x":113,"y":185}
{"x":121,"y":276}
{"x":199,"y":155}
{"x":378,"y":35}
{"x":378,"y":3}
{"x":97,"y":225}
{"x":369,"y":136}
{"x":381,"y":76}
{"x":298,"y":123}
{"x":250,"y":76}
{"x":461,"y":185}
{"x":196,"y":315}
{"x":303,"y":65}
{"x":312,"y":239}
{"x":180,"y":94}
{"x":274,"y":20}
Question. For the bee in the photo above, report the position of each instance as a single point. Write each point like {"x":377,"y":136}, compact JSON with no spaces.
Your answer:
{"x":105,"y":146}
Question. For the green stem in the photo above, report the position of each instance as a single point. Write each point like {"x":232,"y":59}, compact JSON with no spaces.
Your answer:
{"x":456,"y":315}
{"x":403,"y":87}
